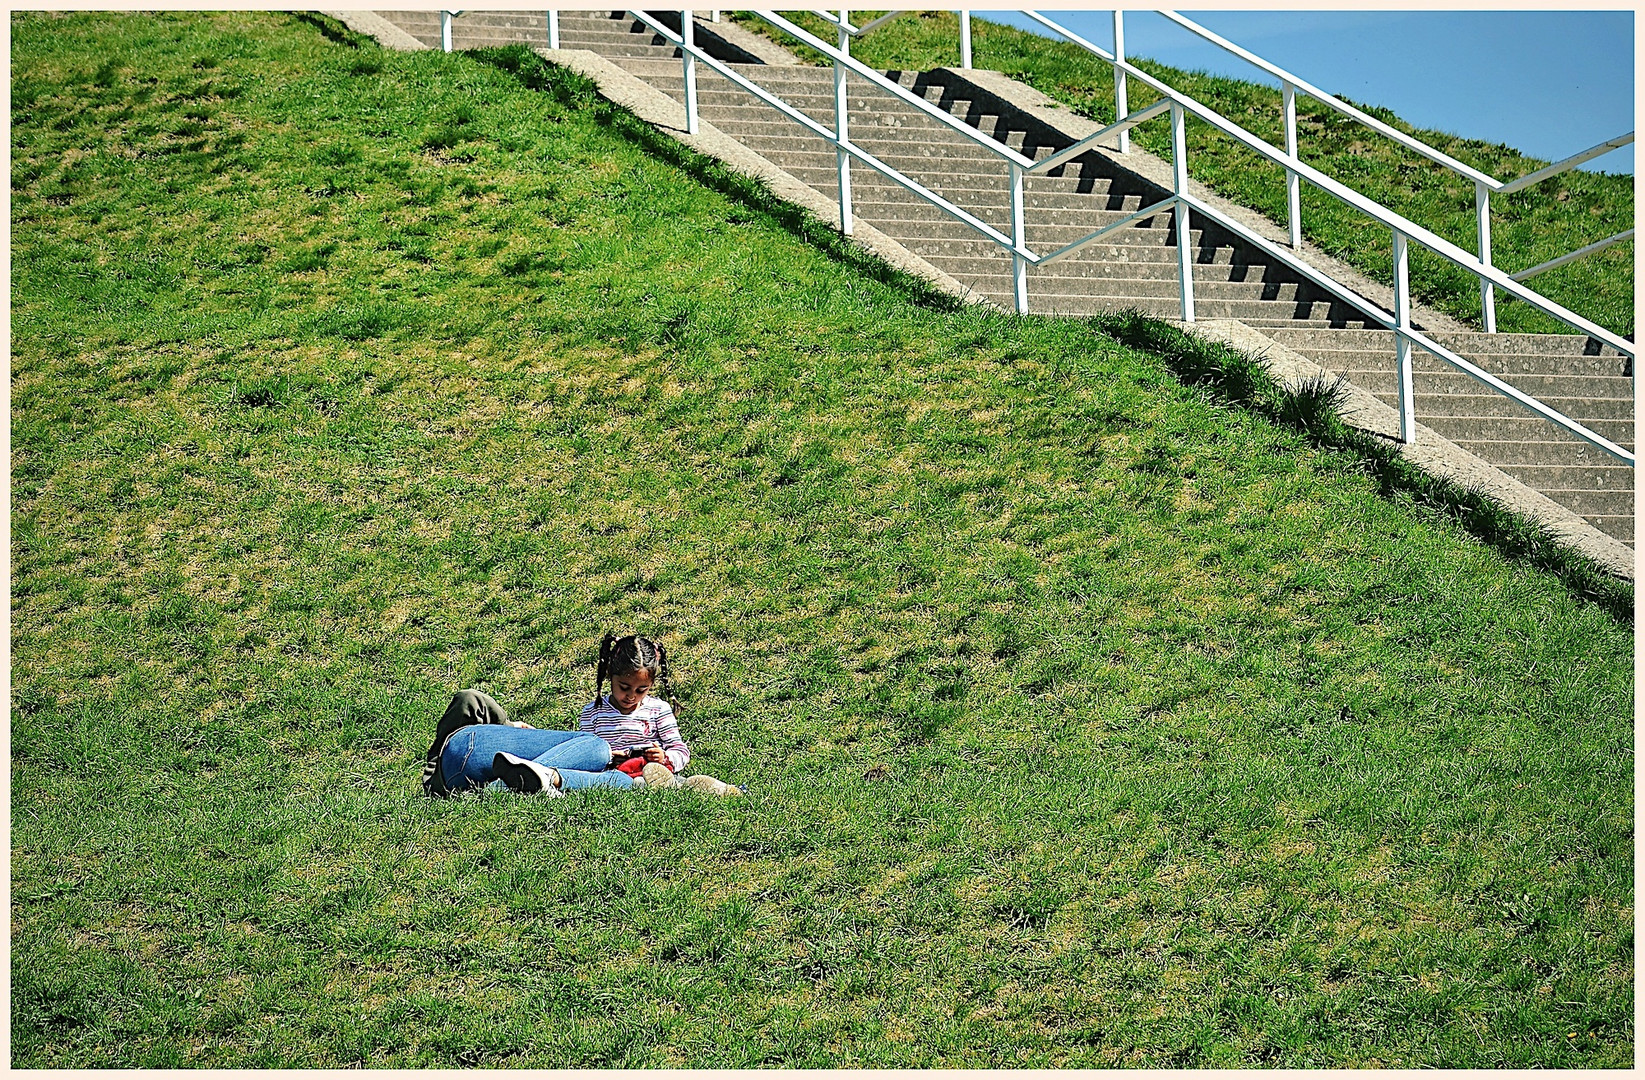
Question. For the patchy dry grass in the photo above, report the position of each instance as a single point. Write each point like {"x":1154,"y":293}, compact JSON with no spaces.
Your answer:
{"x":1089,"y":719}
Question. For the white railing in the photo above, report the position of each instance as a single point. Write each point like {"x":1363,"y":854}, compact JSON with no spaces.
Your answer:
{"x":445,"y":28}
{"x":1290,"y":85}
{"x":1180,"y":202}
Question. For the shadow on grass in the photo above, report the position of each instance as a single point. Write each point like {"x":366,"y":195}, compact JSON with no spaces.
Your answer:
{"x":574,"y":89}
{"x":1239,"y":379}
{"x":332,"y":30}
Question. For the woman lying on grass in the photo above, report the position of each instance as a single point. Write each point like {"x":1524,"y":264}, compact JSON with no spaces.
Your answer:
{"x":625,"y":739}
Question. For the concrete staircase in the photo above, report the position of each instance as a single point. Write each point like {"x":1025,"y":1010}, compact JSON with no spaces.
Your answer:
{"x":1138,"y":268}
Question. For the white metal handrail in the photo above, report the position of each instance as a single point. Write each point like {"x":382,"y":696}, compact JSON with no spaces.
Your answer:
{"x":1567,"y":165}
{"x":1625,"y":234}
{"x":831,"y":136}
{"x":1484,"y":183}
{"x":1396,"y":221}
{"x":862,"y":70}
{"x":1123,"y":125}
{"x":1285,"y":77}
{"x":1401,"y":326}
{"x":1181,"y":201}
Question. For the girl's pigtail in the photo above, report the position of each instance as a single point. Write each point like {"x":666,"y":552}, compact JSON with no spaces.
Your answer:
{"x":605,"y":664}
{"x":662,"y":676}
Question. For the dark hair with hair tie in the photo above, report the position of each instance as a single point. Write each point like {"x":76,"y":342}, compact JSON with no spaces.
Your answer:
{"x":625,"y":656}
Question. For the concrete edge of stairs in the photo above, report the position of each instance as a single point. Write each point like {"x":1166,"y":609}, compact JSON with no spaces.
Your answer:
{"x":1431,"y":452}
{"x":375,"y":26}
{"x":751,"y":43}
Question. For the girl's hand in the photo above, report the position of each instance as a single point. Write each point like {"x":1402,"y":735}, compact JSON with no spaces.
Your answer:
{"x":654,"y":753}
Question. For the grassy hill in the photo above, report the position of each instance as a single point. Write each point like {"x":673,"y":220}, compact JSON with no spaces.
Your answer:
{"x":1528,"y":227}
{"x":1087,"y":719}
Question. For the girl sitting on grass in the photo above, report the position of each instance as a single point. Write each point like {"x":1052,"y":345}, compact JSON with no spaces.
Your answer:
{"x":625,"y":739}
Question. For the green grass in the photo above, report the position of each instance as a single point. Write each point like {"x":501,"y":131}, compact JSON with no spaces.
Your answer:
{"x":1528,"y":227}
{"x":1089,"y":719}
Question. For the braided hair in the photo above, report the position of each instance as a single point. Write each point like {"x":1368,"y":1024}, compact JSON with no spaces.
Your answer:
{"x":627,"y":655}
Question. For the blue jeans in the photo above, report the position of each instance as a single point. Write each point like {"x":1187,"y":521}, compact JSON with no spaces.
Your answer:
{"x":579,"y":756}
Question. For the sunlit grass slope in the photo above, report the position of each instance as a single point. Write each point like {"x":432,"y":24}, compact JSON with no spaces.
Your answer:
{"x":1086,"y":720}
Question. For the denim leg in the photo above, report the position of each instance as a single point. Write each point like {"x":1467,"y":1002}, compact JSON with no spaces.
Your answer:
{"x":470,"y":750}
{"x":582,"y":763}
{"x":467,"y":707}
{"x":583,"y":752}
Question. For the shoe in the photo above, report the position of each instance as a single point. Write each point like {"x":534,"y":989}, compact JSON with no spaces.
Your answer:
{"x":525,"y":776}
{"x":659,"y":776}
{"x":707,"y":785}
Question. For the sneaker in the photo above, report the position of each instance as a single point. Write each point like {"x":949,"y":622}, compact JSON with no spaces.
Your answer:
{"x":525,"y":776}
{"x":707,"y":785}
{"x":659,"y":776}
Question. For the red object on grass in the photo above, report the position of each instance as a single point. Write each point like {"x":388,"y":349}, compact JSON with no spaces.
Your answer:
{"x":634,"y":766}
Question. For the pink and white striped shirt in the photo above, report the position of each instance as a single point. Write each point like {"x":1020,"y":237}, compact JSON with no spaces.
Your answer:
{"x":652,"y":721}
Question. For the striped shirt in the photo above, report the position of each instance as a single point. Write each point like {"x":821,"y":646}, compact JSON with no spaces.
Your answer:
{"x":652,"y":721}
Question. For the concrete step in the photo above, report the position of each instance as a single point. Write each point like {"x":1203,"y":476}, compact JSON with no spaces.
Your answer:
{"x":1043,"y":282}
{"x":1620,"y":526}
{"x":1521,"y":428}
{"x":972,"y":244}
{"x":1465,"y":342}
{"x":1043,"y":236}
{"x":1610,"y":480}
{"x":1508,"y":365}
{"x":960,"y":158}
{"x":474,"y":30}
{"x":1038,"y":194}
{"x":612,"y":34}
{"x":1143,"y":254}
{"x":1611,"y":388}
{"x":1566,"y":450}
{"x":1590,"y":504}
{"x":1100,"y":263}
{"x":756,"y":119}
{"x":1587,"y":411}
{"x":1122,"y":298}
{"x":1057,"y":224}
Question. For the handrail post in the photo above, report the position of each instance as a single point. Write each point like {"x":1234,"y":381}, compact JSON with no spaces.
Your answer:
{"x":842,"y":121}
{"x":1487,"y":291}
{"x":689,"y":39}
{"x":1402,"y":340}
{"x":1179,"y":180}
{"x":1019,"y":265}
{"x":553,"y":29}
{"x":965,"y":39}
{"x":445,"y":31}
{"x":1293,"y":182}
{"x":1121,"y":109}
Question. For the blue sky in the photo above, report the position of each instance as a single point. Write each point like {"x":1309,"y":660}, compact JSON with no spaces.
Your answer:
{"x":1548,"y":83}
